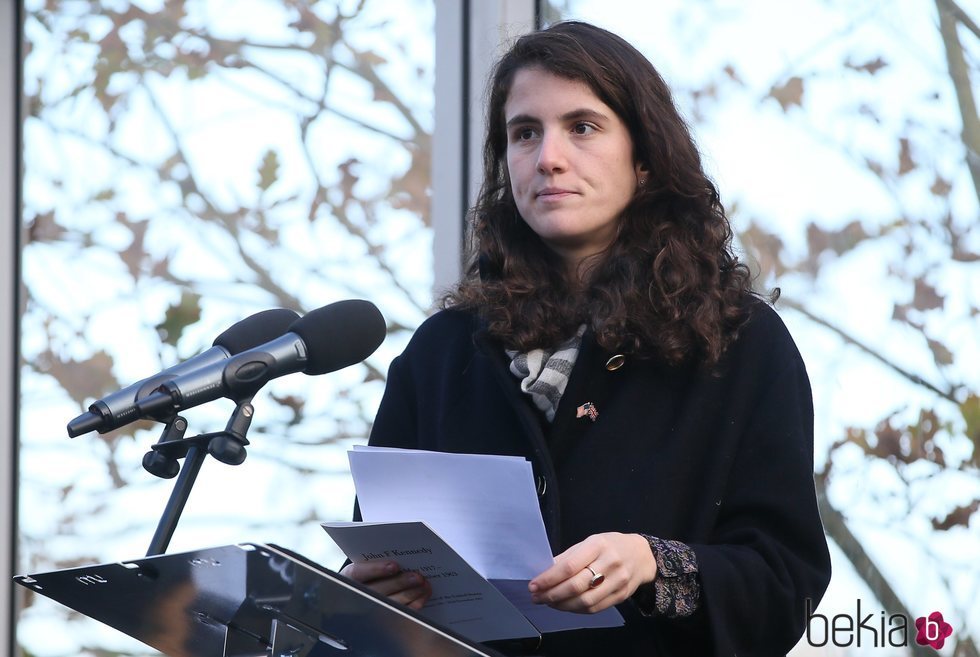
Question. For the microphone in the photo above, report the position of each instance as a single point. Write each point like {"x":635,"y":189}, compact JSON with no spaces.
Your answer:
{"x":119,"y":408}
{"x":326,"y":339}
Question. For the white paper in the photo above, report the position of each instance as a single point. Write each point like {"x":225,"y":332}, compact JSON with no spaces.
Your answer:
{"x":484,"y":506}
{"x":461,"y":599}
{"x":549,"y":619}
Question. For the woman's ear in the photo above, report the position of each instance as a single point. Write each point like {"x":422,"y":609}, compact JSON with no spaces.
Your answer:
{"x":642,"y":173}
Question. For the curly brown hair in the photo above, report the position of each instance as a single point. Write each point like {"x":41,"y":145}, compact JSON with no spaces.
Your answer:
{"x":670,"y":285}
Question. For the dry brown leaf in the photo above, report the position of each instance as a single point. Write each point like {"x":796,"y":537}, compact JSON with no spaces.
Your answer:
{"x":766,"y":247}
{"x":84,"y":380}
{"x":871,"y":67}
{"x":926,"y":297}
{"x":788,"y":94}
{"x":941,"y":187}
{"x":44,"y":228}
{"x":905,"y":161}
{"x":960,"y":516}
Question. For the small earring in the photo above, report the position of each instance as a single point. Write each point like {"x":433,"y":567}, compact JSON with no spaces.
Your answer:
{"x":643,"y":181}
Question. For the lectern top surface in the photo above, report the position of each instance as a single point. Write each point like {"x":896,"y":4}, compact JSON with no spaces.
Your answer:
{"x":248,"y":600}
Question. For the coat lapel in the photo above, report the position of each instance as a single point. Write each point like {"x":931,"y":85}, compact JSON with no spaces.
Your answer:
{"x":588,"y":388}
{"x":546,"y":479}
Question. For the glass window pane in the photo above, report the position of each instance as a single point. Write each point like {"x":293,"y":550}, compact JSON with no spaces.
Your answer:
{"x":842,"y":145}
{"x":188,"y":164}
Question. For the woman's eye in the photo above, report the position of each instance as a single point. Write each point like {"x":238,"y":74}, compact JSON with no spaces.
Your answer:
{"x":584,"y":128}
{"x":524,"y":134}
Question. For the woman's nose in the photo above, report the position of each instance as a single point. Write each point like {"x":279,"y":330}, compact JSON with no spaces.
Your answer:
{"x":551,"y":154}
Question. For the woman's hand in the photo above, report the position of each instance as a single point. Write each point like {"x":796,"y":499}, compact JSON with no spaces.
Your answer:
{"x":624,"y":561}
{"x":388,"y":579}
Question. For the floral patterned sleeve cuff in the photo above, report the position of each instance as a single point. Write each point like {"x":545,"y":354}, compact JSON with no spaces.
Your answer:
{"x":676,"y":591}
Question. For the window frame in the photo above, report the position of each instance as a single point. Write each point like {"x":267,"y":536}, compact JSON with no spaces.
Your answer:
{"x":11,"y":16}
{"x":469,"y":36}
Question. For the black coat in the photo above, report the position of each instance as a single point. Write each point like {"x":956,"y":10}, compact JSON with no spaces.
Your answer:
{"x":722,"y":461}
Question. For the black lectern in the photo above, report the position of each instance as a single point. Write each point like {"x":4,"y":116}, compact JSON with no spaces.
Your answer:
{"x":248,"y":600}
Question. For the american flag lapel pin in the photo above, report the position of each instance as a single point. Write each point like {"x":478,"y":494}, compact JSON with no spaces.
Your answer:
{"x":588,"y":410}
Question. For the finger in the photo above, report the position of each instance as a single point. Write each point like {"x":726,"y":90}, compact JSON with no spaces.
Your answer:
{"x":425,"y":592}
{"x":567,"y":565}
{"x":397,"y":584}
{"x":589,"y":603}
{"x":369,"y":571}
{"x":568,"y":590}
{"x":415,"y":596}
{"x":589,"y":599}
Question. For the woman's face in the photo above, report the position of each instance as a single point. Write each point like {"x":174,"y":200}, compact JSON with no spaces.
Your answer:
{"x":570,"y":159}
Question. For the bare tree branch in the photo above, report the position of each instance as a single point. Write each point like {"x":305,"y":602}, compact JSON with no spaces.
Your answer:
{"x":960,"y":15}
{"x":322,"y":106}
{"x":959,"y":73}
{"x":850,"y":339}
{"x":836,"y":527}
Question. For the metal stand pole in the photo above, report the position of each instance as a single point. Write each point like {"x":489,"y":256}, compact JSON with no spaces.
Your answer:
{"x":227,"y":446}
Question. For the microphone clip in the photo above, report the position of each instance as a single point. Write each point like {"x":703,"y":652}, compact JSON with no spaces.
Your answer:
{"x":162,"y":460}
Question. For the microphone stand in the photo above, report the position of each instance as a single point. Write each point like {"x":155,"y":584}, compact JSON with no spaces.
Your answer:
{"x":227,"y":446}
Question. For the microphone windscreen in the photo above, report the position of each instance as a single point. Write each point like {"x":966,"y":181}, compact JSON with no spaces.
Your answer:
{"x":340,"y":334}
{"x":256,"y":329}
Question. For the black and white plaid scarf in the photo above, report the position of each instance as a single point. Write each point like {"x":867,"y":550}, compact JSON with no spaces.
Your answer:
{"x":544,"y":372}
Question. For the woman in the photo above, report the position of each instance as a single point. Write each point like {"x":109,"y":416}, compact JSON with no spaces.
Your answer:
{"x":607,"y":332}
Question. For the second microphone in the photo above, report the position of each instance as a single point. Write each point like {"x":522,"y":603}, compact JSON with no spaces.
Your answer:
{"x":324,"y":340}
